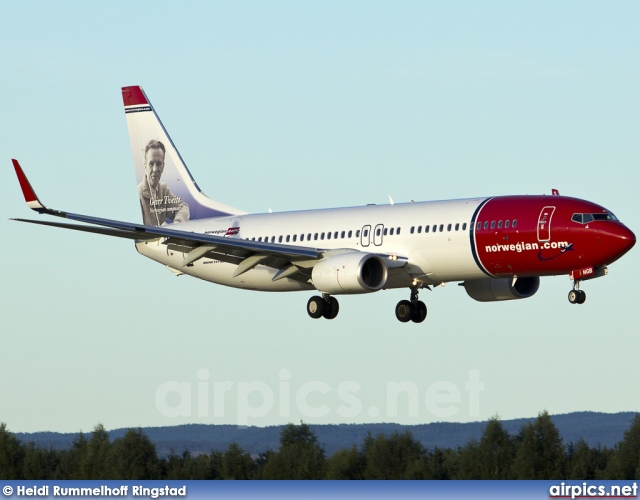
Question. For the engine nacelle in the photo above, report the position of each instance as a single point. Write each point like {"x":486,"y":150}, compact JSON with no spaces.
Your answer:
{"x":490,"y":290}
{"x":351,"y":272}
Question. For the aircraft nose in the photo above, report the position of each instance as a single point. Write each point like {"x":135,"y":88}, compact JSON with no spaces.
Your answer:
{"x":620,"y":239}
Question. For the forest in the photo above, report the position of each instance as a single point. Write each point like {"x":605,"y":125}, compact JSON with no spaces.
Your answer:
{"x":537,"y":451}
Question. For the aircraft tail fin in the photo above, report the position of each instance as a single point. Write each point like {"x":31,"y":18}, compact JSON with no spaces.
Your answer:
{"x":168,"y":193}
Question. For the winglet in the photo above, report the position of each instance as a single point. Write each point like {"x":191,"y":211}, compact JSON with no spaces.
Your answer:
{"x":27,"y":191}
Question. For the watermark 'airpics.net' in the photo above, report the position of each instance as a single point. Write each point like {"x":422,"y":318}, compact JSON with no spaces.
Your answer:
{"x":249,"y":402}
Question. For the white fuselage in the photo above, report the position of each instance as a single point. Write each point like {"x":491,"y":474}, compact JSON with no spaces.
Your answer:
{"x":435,"y":256}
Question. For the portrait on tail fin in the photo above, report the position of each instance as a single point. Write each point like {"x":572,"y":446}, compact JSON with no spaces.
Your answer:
{"x":178,"y":198}
{"x":159,"y":205}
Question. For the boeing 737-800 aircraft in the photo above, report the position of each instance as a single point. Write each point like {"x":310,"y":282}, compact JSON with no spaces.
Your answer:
{"x":497,"y":248}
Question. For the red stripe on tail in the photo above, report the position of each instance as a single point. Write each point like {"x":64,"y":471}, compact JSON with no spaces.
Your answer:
{"x":133,"y":96}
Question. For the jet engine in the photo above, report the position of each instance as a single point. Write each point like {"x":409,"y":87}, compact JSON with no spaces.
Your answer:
{"x":351,"y":272}
{"x":490,"y":290}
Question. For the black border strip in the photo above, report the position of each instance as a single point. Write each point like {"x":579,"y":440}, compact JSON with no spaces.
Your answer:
{"x":137,"y":110}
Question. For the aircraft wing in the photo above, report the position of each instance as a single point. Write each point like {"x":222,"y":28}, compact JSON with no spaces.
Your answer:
{"x":292,"y":261}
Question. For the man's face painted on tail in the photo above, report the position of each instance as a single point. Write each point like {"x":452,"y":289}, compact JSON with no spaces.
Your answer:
{"x":153,"y":166}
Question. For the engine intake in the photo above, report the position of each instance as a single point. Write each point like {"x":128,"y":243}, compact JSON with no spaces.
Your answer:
{"x":490,"y":290}
{"x":351,"y":272}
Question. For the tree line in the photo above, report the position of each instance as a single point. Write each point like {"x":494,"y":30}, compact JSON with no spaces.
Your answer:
{"x":537,"y":451}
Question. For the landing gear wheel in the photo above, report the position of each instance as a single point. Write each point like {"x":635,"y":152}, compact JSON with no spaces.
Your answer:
{"x":316,"y":307}
{"x":331,"y":308}
{"x":577,"y":296}
{"x":403,"y":311}
{"x":418,"y":312}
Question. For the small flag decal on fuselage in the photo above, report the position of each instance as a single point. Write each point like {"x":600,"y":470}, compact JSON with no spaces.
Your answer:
{"x":232,"y":231}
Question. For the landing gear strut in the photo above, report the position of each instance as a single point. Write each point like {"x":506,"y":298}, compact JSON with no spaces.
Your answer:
{"x":411,"y":310}
{"x":325,"y":306}
{"x":577,"y":296}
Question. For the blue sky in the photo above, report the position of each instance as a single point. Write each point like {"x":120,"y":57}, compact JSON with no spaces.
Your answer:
{"x":293,"y":105}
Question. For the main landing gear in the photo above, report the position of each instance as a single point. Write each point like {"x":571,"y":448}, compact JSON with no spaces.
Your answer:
{"x":323,"y":307}
{"x":577,"y":296}
{"x":411,"y":310}
{"x":407,"y":310}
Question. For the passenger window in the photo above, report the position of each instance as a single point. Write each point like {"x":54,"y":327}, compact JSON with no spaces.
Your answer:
{"x":398,"y":231}
{"x":366,"y":233}
{"x":309,"y":237}
{"x":419,"y":229}
{"x":499,"y":224}
{"x":288,"y":238}
{"x":335,"y":235}
{"x":479,"y":226}
{"x":391,"y":231}
{"x":464,"y":226}
{"x":506,"y":224}
{"x":328,"y":235}
{"x":448,"y":227}
{"x":349,"y":234}
{"x":260,"y":238}
{"x":273,"y":239}
{"x":378,"y":232}
{"x":434,"y":228}
{"x":342,"y":235}
{"x":295,"y":238}
{"x":457,"y":226}
{"x":442,"y":228}
{"x":412,"y":229}
{"x":493,"y":224}
{"x":515,"y":223}
{"x":315,"y":236}
{"x":385,"y":231}
{"x":279,"y":239}
{"x":302,"y":237}
{"x":358,"y":233}
{"x":426,"y":229}
{"x":322,"y":236}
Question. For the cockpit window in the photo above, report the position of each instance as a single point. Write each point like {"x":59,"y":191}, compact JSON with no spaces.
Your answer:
{"x":604,"y":216}
{"x":586,"y":218}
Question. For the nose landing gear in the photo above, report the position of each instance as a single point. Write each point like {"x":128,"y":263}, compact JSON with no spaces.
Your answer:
{"x":577,"y":296}
{"x":411,"y":310}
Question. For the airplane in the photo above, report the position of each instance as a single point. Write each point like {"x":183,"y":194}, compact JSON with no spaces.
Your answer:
{"x":496,"y":247}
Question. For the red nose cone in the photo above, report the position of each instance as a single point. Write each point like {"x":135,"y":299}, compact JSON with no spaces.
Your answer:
{"x":619,"y":240}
